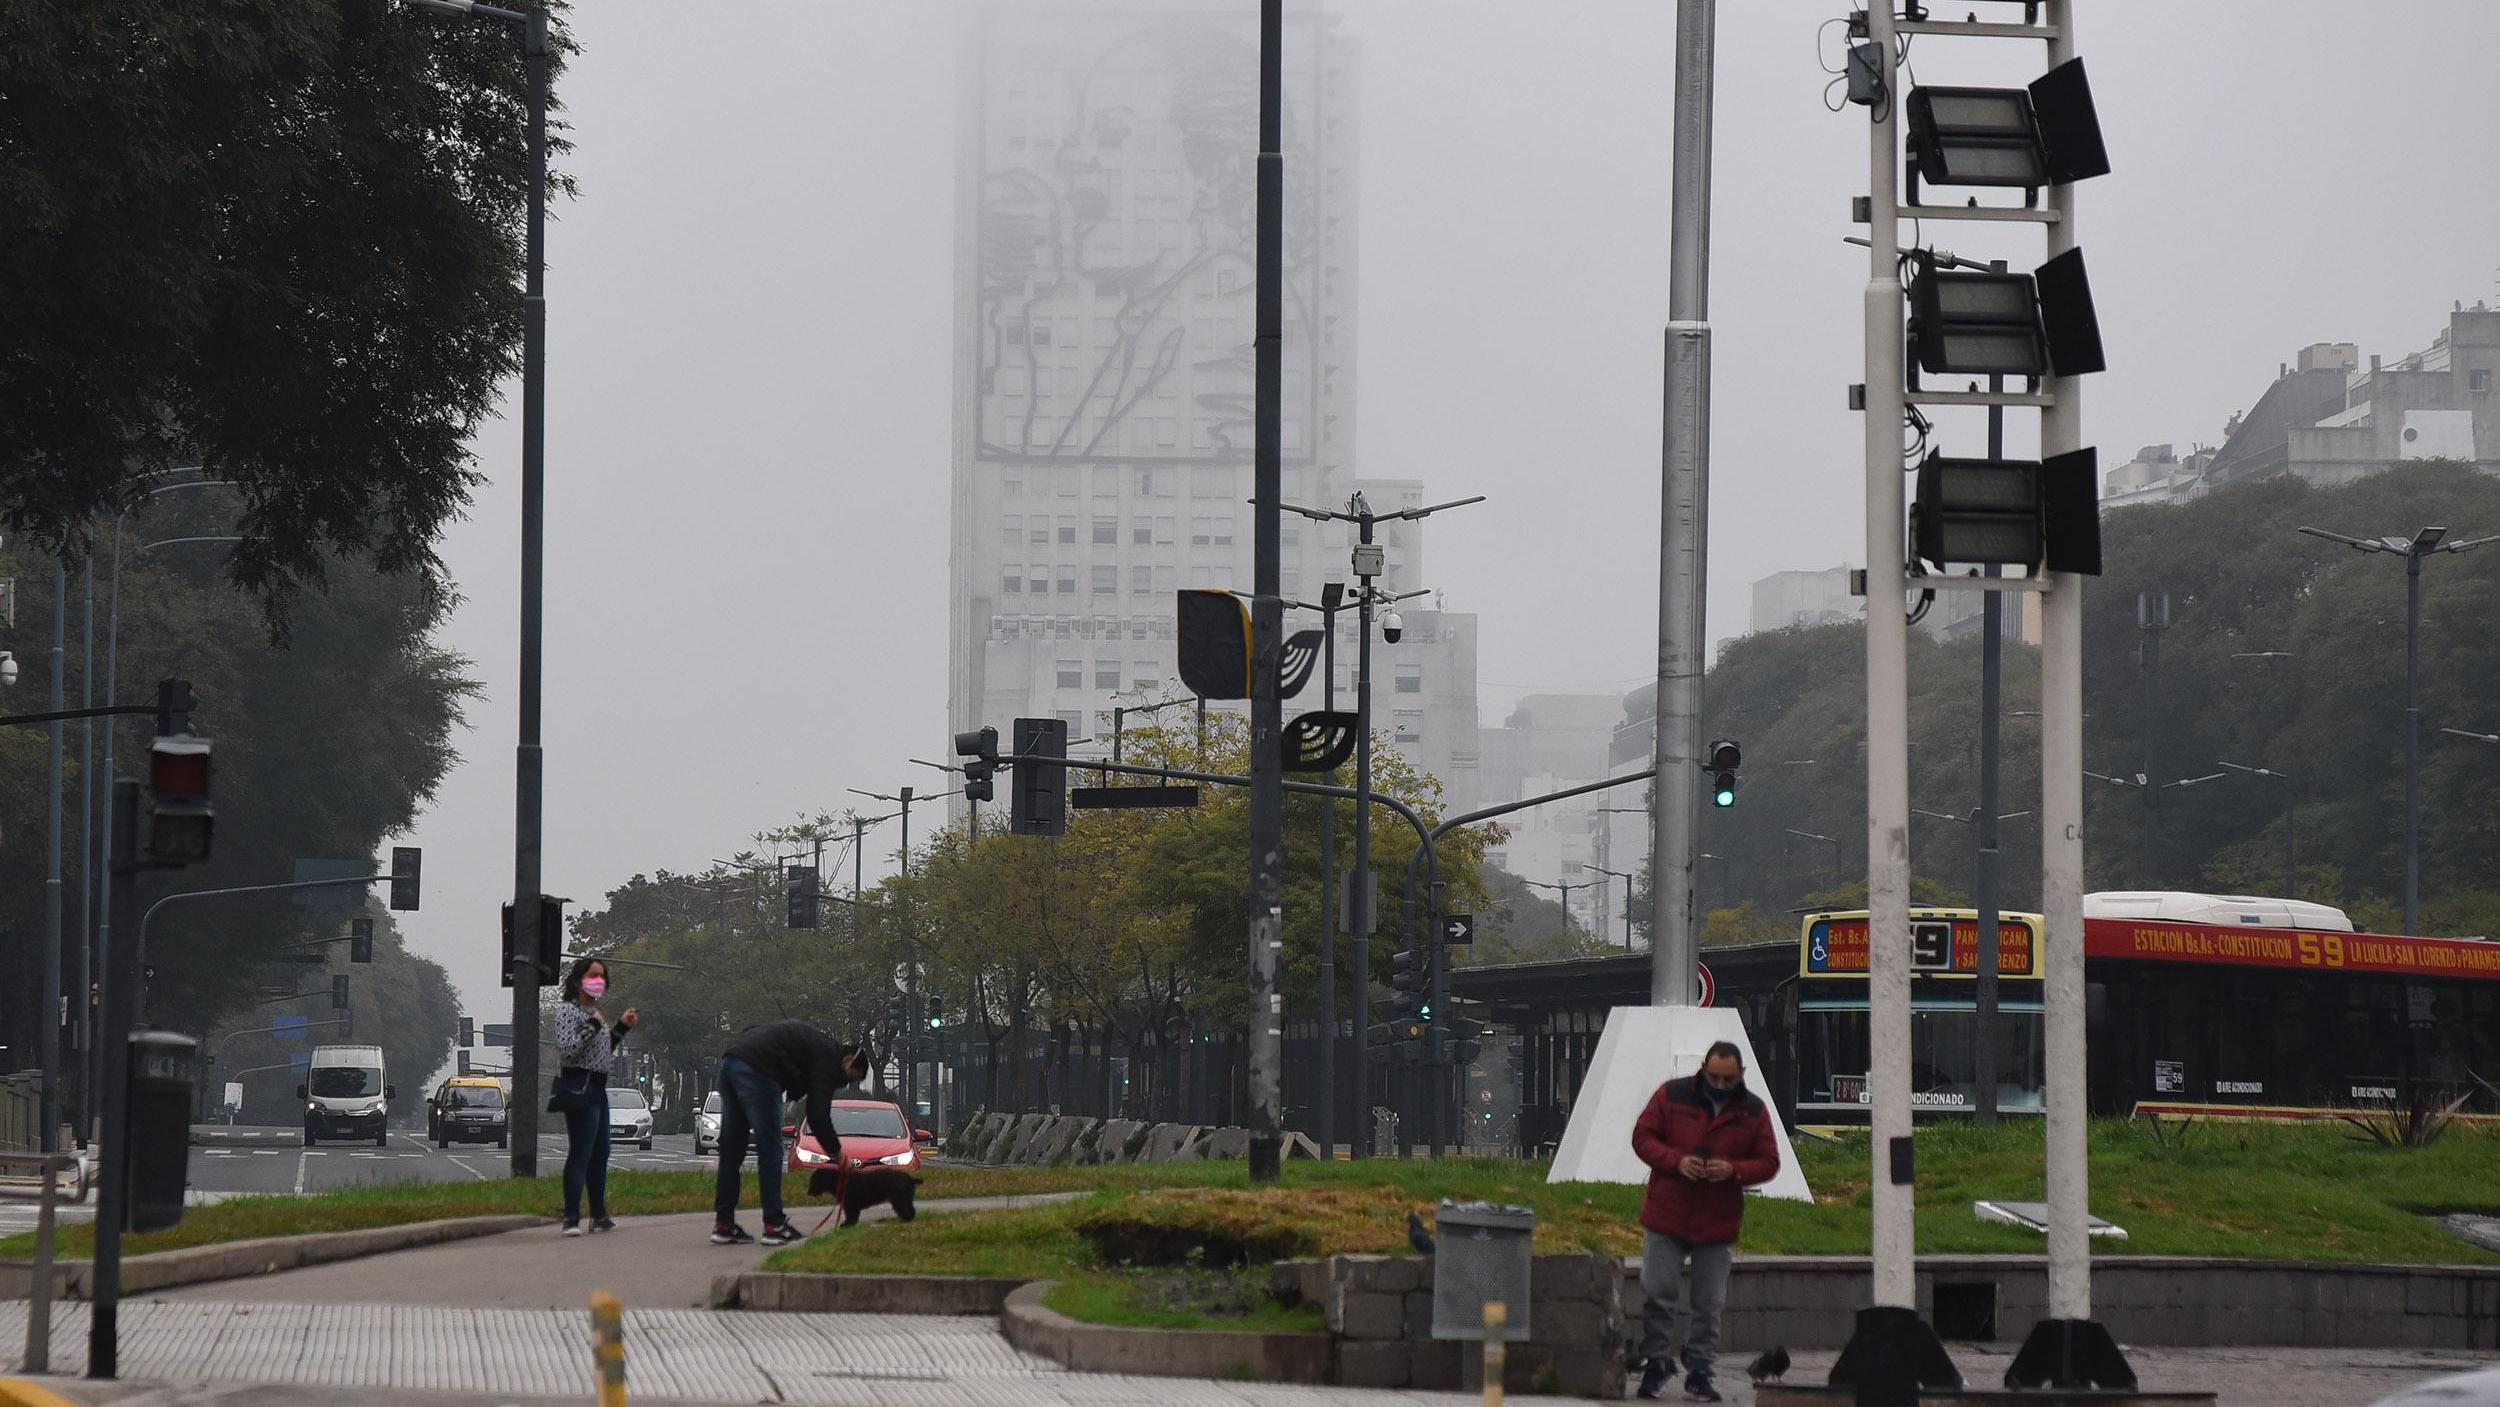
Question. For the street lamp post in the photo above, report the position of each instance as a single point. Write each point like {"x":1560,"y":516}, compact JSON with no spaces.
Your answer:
{"x":911,"y":969}
{"x":1831,"y":841}
{"x":529,"y":754}
{"x":1332,"y":599}
{"x":2422,"y":544}
{"x":1367,"y":567}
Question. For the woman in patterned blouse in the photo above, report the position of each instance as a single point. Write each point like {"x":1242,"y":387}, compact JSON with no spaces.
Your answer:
{"x":585,"y":1053}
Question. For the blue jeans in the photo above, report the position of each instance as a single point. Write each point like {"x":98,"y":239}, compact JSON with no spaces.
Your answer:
{"x":750,"y":1105}
{"x":586,"y":1153}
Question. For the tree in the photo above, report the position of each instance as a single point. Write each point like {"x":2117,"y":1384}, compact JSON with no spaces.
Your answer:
{"x":281,"y":240}
{"x":401,"y":1002}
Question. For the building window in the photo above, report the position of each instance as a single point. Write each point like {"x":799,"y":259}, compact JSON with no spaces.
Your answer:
{"x":1290,"y":537}
{"x":1142,"y":533}
{"x":1013,"y":533}
{"x":1201,"y":531}
{"x":1410,"y":679}
{"x":1040,"y":531}
{"x":1014,"y":585}
{"x":1075,"y":719}
{"x":1107,"y":674}
{"x":1224,"y":532}
{"x":1143,"y":676}
{"x":1067,"y":482}
{"x":1292,"y":582}
{"x":1201,"y":577}
{"x":1067,"y":580}
{"x":1210,"y":483}
{"x":1041,"y":581}
{"x":1106,"y":532}
{"x":1146,"y":482}
{"x":1410,"y":725}
{"x":1167,"y":580}
{"x":1106,"y":481}
{"x":1067,"y":529}
{"x":1106,"y":580}
{"x":2478,"y":381}
{"x":1165,"y":528}
{"x":1141,"y":581}
{"x":1012,"y":485}
{"x":1071,"y":674}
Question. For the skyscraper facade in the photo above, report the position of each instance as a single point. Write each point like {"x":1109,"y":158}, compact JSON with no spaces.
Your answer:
{"x":1105,"y":301}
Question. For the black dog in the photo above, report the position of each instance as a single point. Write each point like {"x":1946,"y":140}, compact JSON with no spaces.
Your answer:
{"x":865,"y":1188}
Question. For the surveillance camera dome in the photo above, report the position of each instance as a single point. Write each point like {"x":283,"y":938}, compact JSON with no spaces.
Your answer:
{"x":8,"y":667}
{"x":1392,"y":626}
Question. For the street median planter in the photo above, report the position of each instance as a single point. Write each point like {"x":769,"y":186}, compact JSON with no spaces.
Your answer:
{"x":1164,"y":1353}
{"x":236,"y":1260}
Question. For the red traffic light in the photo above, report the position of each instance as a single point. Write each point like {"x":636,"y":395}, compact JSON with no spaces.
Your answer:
{"x":181,"y":821}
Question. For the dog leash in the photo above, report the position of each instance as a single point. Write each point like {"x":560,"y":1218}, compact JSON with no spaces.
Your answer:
{"x":841,"y":1185}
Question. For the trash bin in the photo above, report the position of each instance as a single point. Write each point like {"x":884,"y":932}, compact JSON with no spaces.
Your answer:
{"x":160,"y":1127}
{"x":1481,"y":1252}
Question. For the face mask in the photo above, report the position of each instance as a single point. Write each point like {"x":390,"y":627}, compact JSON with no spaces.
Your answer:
{"x":594,"y":987}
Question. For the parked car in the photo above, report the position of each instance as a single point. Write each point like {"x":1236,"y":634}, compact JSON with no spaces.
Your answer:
{"x":872,"y":1131}
{"x":629,"y":1117}
{"x":468,"y":1109}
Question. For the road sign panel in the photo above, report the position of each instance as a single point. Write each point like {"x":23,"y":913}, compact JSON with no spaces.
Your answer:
{"x":332,"y":896}
{"x":1708,"y":986}
{"x":498,"y":1034}
{"x":301,"y":1059}
{"x":288,"y":1028}
{"x":1458,"y":930}
{"x":1131,"y":798}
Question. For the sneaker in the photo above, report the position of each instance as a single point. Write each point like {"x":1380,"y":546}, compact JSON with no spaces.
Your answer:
{"x":572,"y":1228}
{"x":781,"y":1233}
{"x":1697,"y":1388}
{"x":1653,"y":1379}
{"x":600,"y":1223}
{"x":729,"y":1233}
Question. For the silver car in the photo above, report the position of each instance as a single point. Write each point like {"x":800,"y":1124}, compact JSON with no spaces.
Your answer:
{"x":629,"y":1117}
{"x":707,"y":1130}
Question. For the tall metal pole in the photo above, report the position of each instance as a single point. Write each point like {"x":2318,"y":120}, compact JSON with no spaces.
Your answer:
{"x":49,"y":1024}
{"x":1359,"y":904}
{"x":86,"y":817}
{"x":1991,"y":676}
{"x":103,"y":936}
{"x":529,"y":800}
{"x":113,"y":1035}
{"x":911,"y":971}
{"x":2413,"y":739}
{"x":1267,"y":621}
{"x":2061,"y":826}
{"x":1887,"y":705}
{"x":1328,"y":915}
{"x":1684,"y":522}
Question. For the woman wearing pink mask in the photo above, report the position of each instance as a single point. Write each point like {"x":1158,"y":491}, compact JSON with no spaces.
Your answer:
{"x":585,"y":1053}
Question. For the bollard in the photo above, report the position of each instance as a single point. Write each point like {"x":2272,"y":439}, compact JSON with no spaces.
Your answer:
{"x":1496,"y":1314}
{"x":607,"y":1337}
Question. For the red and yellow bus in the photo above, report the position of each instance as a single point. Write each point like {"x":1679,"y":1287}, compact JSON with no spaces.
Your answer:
{"x":2197,"y":1005}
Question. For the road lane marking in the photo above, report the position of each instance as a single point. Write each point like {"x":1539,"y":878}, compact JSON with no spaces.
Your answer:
{"x":464,"y":1164}
{"x":303,"y":1165}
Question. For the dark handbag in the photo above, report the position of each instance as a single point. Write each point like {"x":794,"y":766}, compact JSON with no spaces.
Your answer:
{"x":570,"y":1092}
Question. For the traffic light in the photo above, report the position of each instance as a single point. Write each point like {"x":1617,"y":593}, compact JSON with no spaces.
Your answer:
{"x":464,"y":1062}
{"x":1038,"y":801}
{"x":896,"y":1012}
{"x":173,"y":707}
{"x":1725,"y":757}
{"x":548,"y":951}
{"x":181,"y":819}
{"x":1410,"y":970}
{"x":406,"y":861}
{"x":338,"y":992}
{"x":468,"y":1031}
{"x":801,"y":883}
{"x":979,"y":749}
{"x":360,"y":940}
{"x":936,"y":1006}
{"x":1463,"y":1040}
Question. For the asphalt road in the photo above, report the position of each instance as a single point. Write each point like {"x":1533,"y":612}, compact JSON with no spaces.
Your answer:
{"x":264,"y":1160}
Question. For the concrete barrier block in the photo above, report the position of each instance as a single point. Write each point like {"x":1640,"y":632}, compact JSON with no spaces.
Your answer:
{"x":2429,"y":1292}
{"x":1433,"y":1365}
{"x":1374,"y":1363}
{"x":1369,"y":1316}
{"x":1397,"y":1275}
{"x":1577,"y":1323}
{"x":1418,"y":1305}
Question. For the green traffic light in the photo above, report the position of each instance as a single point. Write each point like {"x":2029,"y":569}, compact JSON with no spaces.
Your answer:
{"x":1725,"y":796}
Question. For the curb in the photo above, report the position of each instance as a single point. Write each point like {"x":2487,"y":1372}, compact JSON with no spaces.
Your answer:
{"x":864,"y":1294}
{"x":1160,"y":1353}
{"x":18,"y":1392}
{"x":236,"y":1260}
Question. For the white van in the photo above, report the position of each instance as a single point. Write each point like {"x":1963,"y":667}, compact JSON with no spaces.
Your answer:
{"x":347,"y":1095}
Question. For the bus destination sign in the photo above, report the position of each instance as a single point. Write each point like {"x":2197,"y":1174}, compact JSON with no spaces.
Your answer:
{"x":1945,"y":946}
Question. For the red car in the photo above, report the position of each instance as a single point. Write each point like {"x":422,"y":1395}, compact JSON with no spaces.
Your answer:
{"x":873,"y":1134}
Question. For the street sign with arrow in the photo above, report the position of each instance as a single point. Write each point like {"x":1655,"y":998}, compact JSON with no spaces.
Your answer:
{"x":1458,"y":930}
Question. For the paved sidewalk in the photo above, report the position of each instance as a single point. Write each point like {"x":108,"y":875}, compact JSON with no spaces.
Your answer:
{"x":2243,"y":1377}
{"x":650,"y":1262}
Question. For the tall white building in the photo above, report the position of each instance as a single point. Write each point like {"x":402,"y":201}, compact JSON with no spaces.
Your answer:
{"x":1104,"y":318}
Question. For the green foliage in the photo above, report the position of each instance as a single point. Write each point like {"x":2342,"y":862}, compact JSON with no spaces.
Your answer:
{"x":324,"y":749}
{"x":281,"y":239}
{"x":402,"y":1002}
{"x":1521,"y":925}
{"x":2242,"y":581}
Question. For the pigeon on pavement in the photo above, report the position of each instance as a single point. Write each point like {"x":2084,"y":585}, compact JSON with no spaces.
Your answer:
{"x":1416,"y":1236}
{"x":1770,"y":1367}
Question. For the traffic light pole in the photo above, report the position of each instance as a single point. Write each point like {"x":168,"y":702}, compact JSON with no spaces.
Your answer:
{"x":104,"y":1285}
{"x":1267,"y":610}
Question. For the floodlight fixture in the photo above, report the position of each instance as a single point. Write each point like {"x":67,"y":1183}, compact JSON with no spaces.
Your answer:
{"x":2004,"y":324}
{"x":2045,"y":134}
{"x":2006,"y":512}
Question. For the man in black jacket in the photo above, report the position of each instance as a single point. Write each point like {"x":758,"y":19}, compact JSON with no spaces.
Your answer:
{"x":764,"y":1065}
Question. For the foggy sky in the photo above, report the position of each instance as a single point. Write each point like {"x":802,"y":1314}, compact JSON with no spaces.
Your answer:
{"x":750,"y":341}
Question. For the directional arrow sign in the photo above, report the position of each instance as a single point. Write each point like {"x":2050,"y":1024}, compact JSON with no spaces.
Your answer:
{"x":1458,"y":929}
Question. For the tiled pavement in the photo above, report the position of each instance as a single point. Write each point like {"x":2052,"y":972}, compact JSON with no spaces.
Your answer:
{"x":826,"y":1360}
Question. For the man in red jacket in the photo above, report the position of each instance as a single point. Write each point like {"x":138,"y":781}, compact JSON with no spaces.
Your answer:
{"x":1705,"y":1139}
